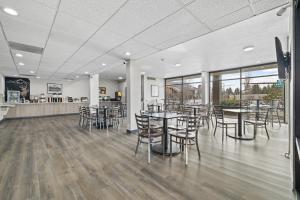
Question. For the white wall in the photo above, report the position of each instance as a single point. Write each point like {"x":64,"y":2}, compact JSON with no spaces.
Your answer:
{"x":75,"y":89}
{"x":147,"y":90}
{"x":112,"y":86}
{"x":122,"y":88}
{"x":1,"y":88}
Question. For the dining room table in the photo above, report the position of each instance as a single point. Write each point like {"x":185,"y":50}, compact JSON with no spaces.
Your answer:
{"x":239,"y":112}
{"x":165,"y":116}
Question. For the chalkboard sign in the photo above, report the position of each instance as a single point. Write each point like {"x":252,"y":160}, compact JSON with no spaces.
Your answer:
{"x":18,"y":84}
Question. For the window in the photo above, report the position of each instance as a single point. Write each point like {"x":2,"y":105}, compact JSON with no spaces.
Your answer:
{"x":184,"y":90}
{"x":240,"y":87}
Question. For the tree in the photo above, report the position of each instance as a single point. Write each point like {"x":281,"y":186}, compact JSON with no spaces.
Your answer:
{"x":256,"y":89}
{"x":237,"y":91}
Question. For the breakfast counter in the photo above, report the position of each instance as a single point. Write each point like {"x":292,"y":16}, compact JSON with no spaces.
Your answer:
{"x":24,"y":110}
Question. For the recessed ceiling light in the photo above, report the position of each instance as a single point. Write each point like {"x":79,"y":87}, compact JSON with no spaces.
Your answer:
{"x":10,"y":11}
{"x":178,"y":65}
{"x":38,"y":77}
{"x":16,"y":75}
{"x":21,"y":64}
{"x":77,"y":76}
{"x":19,"y":55}
{"x":249,"y":48}
{"x":127,"y":53}
{"x":103,"y":64}
{"x":32,"y":72}
{"x":143,"y":73}
{"x":120,"y":77}
{"x":86,"y":72}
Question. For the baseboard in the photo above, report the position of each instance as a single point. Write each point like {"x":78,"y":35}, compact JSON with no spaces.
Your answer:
{"x":41,"y":116}
{"x":132,"y":131}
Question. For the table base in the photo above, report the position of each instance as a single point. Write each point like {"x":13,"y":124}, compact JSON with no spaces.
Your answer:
{"x":158,"y":149}
{"x":240,"y":137}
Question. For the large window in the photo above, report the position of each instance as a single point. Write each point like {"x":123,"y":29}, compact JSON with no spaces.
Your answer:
{"x":239,"y":87}
{"x":184,"y":90}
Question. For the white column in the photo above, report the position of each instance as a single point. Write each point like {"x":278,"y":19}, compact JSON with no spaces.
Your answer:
{"x":133,"y":79}
{"x":94,"y":89}
{"x":205,"y":87}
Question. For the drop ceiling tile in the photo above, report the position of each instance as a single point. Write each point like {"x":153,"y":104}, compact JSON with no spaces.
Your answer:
{"x":59,"y":48}
{"x":180,"y":25}
{"x":131,"y":46}
{"x":210,"y":10}
{"x":144,"y":53}
{"x":51,"y":4}
{"x":73,"y":26}
{"x":232,"y":18}
{"x":29,"y":12}
{"x":137,"y":15}
{"x":93,"y":11}
{"x":26,"y":33}
{"x":266,"y":5}
{"x":105,"y":40}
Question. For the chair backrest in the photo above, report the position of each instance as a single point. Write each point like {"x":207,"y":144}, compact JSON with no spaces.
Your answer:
{"x":142,"y":122}
{"x":263,"y":115}
{"x":218,"y":112}
{"x":192,"y":125}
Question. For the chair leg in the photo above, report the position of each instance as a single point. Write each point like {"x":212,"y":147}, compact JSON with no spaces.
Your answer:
{"x":207,"y":121}
{"x":197,"y":145}
{"x":186,"y":153}
{"x":267,"y":131}
{"x":149,"y":149}
{"x":90,"y":128}
{"x":137,"y":145}
{"x":163,"y":146}
{"x":255,"y":130}
{"x":222,"y":133}
{"x":171,"y":147}
{"x":215,"y":130}
{"x":278,"y":118}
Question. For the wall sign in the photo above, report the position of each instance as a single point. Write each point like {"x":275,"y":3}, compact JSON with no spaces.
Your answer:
{"x":154,"y":91}
{"x":54,"y":88}
{"x":18,"y":84}
{"x":102,"y":90}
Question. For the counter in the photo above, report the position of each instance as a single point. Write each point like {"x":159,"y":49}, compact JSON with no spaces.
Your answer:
{"x":24,"y":110}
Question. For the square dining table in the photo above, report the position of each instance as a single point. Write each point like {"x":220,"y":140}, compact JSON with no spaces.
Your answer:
{"x":239,"y":112}
{"x":165,"y":116}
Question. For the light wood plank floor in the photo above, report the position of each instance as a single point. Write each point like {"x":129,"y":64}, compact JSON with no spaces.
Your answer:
{"x":52,"y":158}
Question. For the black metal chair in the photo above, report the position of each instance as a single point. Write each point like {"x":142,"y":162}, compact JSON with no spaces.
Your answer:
{"x":147,"y":134}
{"x":260,"y":121}
{"x":187,"y":136}
{"x":220,"y":121}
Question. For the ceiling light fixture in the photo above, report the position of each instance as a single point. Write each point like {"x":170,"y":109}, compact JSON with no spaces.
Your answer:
{"x":86,"y":72}
{"x":16,"y":75}
{"x":19,"y":55}
{"x":178,"y":65}
{"x":103,"y":64}
{"x":77,"y":76}
{"x":143,"y":73}
{"x":21,"y":64}
{"x":127,"y":53}
{"x":120,"y":77}
{"x":32,"y":72}
{"x":10,"y":11}
{"x":249,"y":48}
{"x":38,"y":77}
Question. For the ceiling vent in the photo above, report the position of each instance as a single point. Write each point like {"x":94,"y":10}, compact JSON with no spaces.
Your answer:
{"x":151,"y":78}
{"x":28,"y":75}
{"x":25,"y":47}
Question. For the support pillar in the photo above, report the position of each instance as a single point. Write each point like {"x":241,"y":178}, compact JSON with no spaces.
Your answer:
{"x":133,"y":78}
{"x":94,"y":89}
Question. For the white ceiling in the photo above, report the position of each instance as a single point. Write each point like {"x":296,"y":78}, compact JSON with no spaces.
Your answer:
{"x":80,"y":35}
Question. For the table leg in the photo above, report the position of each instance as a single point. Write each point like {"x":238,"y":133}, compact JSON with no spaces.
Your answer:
{"x":239,"y":124}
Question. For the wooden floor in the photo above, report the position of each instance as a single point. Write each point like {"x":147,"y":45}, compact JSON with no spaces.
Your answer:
{"x":52,"y":158}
